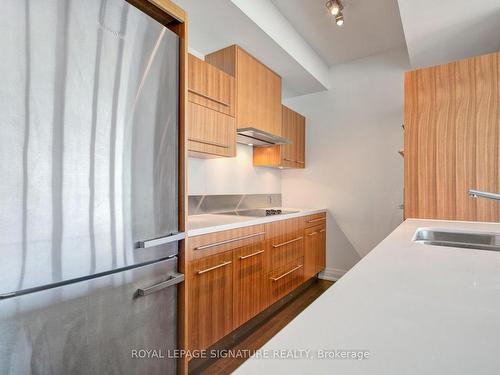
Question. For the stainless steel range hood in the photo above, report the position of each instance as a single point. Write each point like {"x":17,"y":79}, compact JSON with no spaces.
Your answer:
{"x":259,"y":138}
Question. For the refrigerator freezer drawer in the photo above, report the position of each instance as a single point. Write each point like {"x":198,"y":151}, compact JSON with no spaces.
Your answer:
{"x":94,"y":327}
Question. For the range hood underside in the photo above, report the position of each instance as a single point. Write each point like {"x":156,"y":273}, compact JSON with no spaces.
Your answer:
{"x":259,"y":138}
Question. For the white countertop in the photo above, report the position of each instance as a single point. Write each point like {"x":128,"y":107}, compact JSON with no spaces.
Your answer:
{"x":209,"y":223}
{"x":417,"y":309}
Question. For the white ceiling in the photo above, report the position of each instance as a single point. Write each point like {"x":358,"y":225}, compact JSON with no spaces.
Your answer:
{"x":216,"y":24}
{"x":441,"y":31}
{"x":371,"y":26}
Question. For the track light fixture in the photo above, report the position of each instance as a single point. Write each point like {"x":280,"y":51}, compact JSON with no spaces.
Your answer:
{"x":335,"y":7}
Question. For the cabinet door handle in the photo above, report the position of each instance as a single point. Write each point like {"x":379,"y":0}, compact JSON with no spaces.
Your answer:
{"x":209,"y":97}
{"x":294,"y":161}
{"x":315,"y":220}
{"x":288,"y":242}
{"x":174,"y":279}
{"x":203,"y":247}
{"x":251,"y":255}
{"x":210,"y":143}
{"x":322,"y":230}
{"x":286,"y":273}
{"x":213,"y":268}
{"x":312,"y":234}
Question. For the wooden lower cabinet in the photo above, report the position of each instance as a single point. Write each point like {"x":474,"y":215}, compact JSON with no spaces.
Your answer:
{"x":285,"y":279}
{"x":249,"y":294}
{"x":246,"y":270}
{"x":314,"y":252}
{"x":210,"y":300}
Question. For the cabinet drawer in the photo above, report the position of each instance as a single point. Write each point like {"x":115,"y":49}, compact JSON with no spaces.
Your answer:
{"x":210,"y":300}
{"x":210,"y":87}
{"x":285,"y":279}
{"x":210,"y":132}
{"x":316,"y":219}
{"x":285,"y":242}
{"x":214,"y":243}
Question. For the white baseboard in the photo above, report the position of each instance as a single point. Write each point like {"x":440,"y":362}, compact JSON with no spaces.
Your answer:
{"x":332,"y":274}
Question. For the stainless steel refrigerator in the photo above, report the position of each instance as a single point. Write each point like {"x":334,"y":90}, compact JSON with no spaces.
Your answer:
{"x":88,"y":189}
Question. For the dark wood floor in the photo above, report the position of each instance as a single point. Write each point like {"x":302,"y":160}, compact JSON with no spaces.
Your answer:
{"x":269,"y":328}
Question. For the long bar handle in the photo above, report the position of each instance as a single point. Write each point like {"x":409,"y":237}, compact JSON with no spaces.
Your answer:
{"x":174,"y":279}
{"x":288,"y":242}
{"x":312,"y":234}
{"x":322,"y":230}
{"x":225,"y":104}
{"x":162,"y":240}
{"x":484,"y":194}
{"x":286,"y":273}
{"x":294,"y":161}
{"x":203,"y":247}
{"x":251,"y":255}
{"x":213,"y":268}
{"x":210,"y":143}
{"x":315,"y":220}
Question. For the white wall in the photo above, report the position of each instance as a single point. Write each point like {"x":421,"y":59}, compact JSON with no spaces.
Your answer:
{"x":232,"y":175}
{"x":353,"y":168}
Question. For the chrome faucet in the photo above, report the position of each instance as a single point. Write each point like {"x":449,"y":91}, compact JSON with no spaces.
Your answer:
{"x":483,"y":194}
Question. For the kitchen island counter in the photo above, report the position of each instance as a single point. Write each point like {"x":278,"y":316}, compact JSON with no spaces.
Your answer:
{"x":409,"y":308}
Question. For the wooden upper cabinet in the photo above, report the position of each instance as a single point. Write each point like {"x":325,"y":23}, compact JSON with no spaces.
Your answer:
{"x":210,"y":112}
{"x":452,"y":132}
{"x":210,"y":87}
{"x":285,"y":156}
{"x":258,"y":89}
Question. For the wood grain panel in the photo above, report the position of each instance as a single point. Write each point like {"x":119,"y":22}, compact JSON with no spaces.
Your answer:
{"x":210,"y":132}
{"x":285,"y":242}
{"x":465,"y":128}
{"x":452,"y":135}
{"x":411,"y":193}
{"x":285,"y":156}
{"x":218,"y":242}
{"x":210,"y":87}
{"x":249,"y":297}
{"x":284,"y":279}
{"x":258,"y":89}
{"x":445,"y":141}
{"x":426,"y":81}
{"x":210,"y":300}
{"x":313,"y":220}
{"x":487,"y":134}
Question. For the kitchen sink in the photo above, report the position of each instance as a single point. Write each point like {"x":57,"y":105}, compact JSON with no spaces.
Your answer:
{"x":456,"y":238}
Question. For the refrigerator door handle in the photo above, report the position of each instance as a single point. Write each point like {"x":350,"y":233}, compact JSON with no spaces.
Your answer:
{"x":174,"y":279}
{"x":161,"y":240}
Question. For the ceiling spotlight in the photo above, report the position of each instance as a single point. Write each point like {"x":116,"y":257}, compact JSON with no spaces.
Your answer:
{"x":334,"y":6}
{"x":339,"y":19}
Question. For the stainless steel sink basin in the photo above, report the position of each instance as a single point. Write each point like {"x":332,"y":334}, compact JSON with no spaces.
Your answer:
{"x":454,"y":238}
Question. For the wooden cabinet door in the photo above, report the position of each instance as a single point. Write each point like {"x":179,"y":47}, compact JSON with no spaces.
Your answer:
{"x":285,"y":279}
{"x":210,"y":87}
{"x":321,"y":250}
{"x":293,"y":155}
{"x":210,"y":300}
{"x":285,"y":156}
{"x":210,"y":132}
{"x":285,"y":241}
{"x":315,"y":251}
{"x":258,"y":95}
{"x":249,"y":295}
{"x":311,"y":252}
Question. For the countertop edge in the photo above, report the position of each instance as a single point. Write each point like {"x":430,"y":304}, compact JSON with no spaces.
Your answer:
{"x":251,"y":222}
